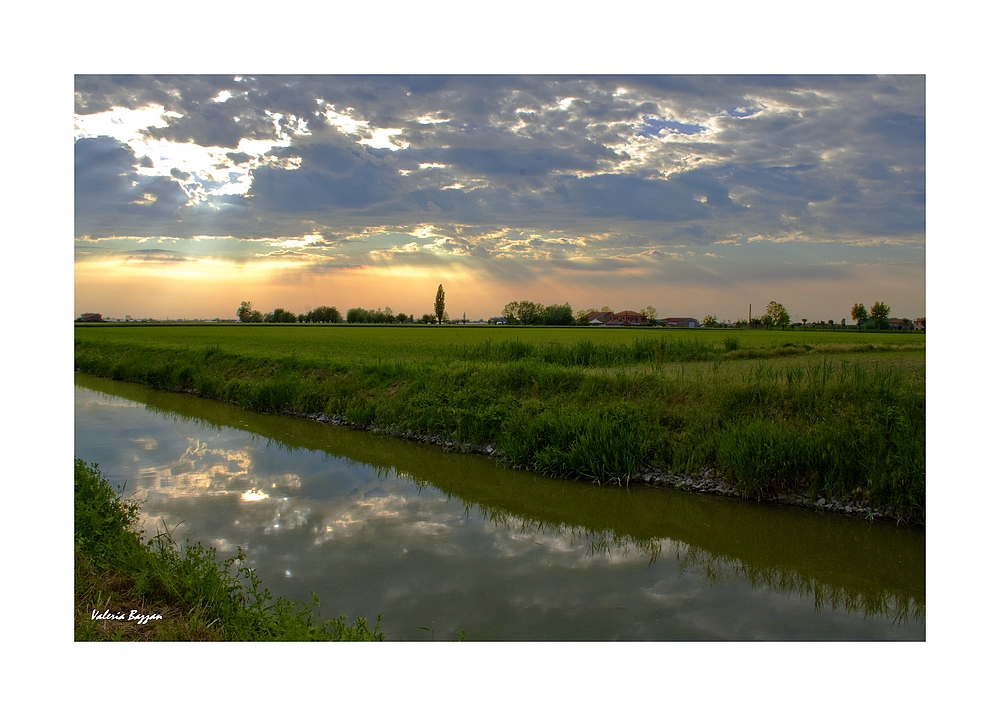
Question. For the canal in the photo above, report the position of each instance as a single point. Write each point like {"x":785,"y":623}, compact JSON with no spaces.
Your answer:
{"x":440,"y":543}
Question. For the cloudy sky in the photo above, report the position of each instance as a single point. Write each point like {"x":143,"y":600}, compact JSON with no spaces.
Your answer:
{"x":694,"y":194}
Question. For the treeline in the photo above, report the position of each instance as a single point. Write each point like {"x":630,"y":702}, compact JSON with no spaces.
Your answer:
{"x":529,"y":313}
{"x":246,"y":313}
{"x":376,"y":315}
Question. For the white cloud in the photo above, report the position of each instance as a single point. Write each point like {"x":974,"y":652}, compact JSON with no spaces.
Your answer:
{"x":212,"y":172}
{"x":383,"y":139}
{"x":296,"y":243}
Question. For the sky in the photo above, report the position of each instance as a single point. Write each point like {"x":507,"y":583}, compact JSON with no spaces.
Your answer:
{"x":694,"y":194}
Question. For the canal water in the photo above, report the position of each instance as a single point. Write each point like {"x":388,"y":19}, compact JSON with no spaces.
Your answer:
{"x":440,"y":543}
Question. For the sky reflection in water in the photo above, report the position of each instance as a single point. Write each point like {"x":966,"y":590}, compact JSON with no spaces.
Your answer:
{"x":452,"y":542}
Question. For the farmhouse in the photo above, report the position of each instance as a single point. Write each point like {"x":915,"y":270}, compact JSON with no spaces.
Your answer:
{"x":599,"y":318}
{"x":610,"y":318}
{"x":629,"y":318}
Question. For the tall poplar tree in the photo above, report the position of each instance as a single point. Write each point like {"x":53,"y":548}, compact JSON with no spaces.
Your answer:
{"x":439,"y":304}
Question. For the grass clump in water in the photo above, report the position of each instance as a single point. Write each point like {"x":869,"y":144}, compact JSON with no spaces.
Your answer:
{"x":188,"y":594}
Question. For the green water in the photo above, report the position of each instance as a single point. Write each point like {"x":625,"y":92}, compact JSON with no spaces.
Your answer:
{"x":438,"y":542}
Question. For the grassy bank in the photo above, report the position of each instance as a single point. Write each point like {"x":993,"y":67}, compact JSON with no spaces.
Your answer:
{"x":172,"y":593}
{"x":771,"y":411}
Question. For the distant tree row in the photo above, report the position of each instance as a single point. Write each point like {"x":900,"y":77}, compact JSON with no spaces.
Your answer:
{"x":322,"y":314}
{"x":529,"y":313}
{"x":246,"y":313}
{"x":376,"y":315}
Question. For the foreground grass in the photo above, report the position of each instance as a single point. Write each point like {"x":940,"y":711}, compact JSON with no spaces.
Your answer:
{"x":770,"y":411}
{"x":187,"y":593}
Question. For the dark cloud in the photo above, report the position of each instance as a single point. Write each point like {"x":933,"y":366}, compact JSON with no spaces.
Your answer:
{"x":103,"y":167}
{"x":678,"y":199}
{"x":326,"y":158}
{"x":99,"y":93}
{"x":238,"y":157}
{"x":156,"y":255}
{"x":898,"y":128}
{"x":111,"y":197}
{"x":214,"y":124}
{"x":518,"y":165}
{"x":283,"y":191}
{"x":834,"y":156}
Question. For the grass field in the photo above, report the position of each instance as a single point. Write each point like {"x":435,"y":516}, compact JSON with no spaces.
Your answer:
{"x":836,"y":413}
{"x":420,"y":343}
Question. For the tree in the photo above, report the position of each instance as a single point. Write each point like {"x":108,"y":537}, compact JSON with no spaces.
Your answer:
{"x":439,"y":304}
{"x":356,"y":315}
{"x":322,"y":314}
{"x":651,"y":314}
{"x":556,"y":315}
{"x":859,"y":314}
{"x":370,"y":315}
{"x":778,"y":315}
{"x":710,"y":321}
{"x":880,"y":315}
{"x":244,"y":312}
{"x":279,"y":315}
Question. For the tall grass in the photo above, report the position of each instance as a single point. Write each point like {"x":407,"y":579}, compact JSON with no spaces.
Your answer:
{"x":119,"y":569}
{"x":853,"y":431}
{"x":588,"y":354}
{"x":601,"y":445}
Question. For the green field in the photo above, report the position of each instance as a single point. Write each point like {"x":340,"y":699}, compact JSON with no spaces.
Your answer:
{"x":836,"y":413}
{"x":442,"y":343}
